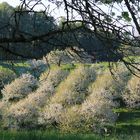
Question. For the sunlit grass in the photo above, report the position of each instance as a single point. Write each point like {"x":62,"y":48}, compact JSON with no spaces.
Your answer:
{"x":43,"y":135}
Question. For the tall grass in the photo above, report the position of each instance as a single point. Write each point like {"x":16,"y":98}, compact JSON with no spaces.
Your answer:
{"x":40,"y":135}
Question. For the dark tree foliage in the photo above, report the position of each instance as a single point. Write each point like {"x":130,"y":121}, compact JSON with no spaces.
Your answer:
{"x":16,"y":29}
{"x":103,"y":28}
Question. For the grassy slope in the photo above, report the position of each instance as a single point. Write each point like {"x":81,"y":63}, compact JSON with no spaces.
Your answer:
{"x":128,"y":123}
{"x":17,"y":68}
{"x":42,"y":135}
{"x":38,"y":135}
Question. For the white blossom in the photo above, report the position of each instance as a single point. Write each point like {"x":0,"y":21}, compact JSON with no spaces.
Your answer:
{"x":131,"y":94}
{"x":51,"y":114}
{"x":73,"y":90}
{"x":19,"y":88}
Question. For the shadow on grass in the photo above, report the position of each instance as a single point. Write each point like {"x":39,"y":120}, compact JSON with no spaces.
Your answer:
{"x":127,"y":129}
{"x":128,"y":121}
{"x":129,"y":117}
{"x":41,"y":135}
{"x":18,"y":69}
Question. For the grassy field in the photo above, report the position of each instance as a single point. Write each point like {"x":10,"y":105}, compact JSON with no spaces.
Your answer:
{"x":127,"y":126}
{"x":42,"y":135}
{"x":128,"y":121}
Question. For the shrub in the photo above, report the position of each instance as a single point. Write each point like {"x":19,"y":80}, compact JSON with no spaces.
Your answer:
{"x":106,"y":82}
{"x":50,"y":116}
{"x":95,"y":112}
{"x":55,"y":75}
{"x":42,"y":95}
{"x":71,"y":121}
{"x":98,"y":113}
{"x":25,"y":112}
{"x":93,"y":115}
{"x":21,"y":115}
{"x":3,"y":107}
{"x":120,"y":83}
{"x":37,"y":66}
{"x":69,"y":56}
{"x":131,"y":94}
{"x":6,"y":76}
{"x":48,"y":86}
{"x":58,"y":57}
{"x":19,"y":88}
{"x":73,"y":90}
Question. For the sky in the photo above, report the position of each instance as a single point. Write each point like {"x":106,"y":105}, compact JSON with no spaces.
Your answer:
{"x":55,"y":13}
{"x":13,"y":3}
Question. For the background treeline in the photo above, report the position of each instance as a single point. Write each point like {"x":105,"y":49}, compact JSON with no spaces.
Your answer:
{"x":37,"y":23}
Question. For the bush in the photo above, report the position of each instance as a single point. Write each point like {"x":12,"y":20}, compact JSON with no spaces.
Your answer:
{"x":97,"y":110}
{"x":73,"y":90}
{"x":54,"y":76}
{"x":48,"y":86}
{"x":58,"y":57}
{"x":69,"y":56}
{"x":19,"y":88}
{"x":37,"y":66}
{"x":6,"y":76}
{"x":115,"y":87}
{"x":131,"y":94}
{"x":50,"y":116}
{"x":21,"y":115}
{"x":93,"y":115}
{"x":3,"y":107}
{"x":78,"y":104}
{"x":42,"y":95}
{"x":71,"y":121}
{"x":76,"y":82}
{"x":25,"y":113}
